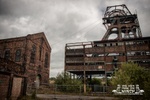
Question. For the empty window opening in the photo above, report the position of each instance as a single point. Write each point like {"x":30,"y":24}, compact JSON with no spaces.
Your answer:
{"x":142,"y":62}
{"x":94,"y":63}
{"x":74,"y":55}
{"x":74,"y":64}
{"x":89,"y":55}
{"x":95,"y":55}
{"x":100,"y":45}
{"x":113,"y":54}
{"x":113,"y":44}
{"x":99,"y":55}
{"x":120,"y":43}
{"x":95,"y":45}
{"x":88,"y":46}
{"x":138,"y":53}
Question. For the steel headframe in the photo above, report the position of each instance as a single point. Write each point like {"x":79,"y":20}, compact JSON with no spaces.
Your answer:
{"x":119,"y":20}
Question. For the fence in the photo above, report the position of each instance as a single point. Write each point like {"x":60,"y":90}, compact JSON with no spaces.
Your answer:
{"x":60,"y":91}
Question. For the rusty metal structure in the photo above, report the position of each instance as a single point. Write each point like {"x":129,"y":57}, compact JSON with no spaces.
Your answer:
{"x":85,"y":59}
{"x":119,"y":20}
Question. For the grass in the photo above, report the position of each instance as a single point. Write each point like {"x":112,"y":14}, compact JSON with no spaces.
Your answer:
{"x":28,"y":98}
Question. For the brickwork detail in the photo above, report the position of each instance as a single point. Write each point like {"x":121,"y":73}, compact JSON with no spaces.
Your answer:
{"x":24,"y":44}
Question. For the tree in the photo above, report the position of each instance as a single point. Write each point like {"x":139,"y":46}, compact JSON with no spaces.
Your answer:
{"x":52,"y":78}
{"x":95,"y":81}
{"x":66,"y":84}
{"x":132,"y":74}
{"x":64,"y":79}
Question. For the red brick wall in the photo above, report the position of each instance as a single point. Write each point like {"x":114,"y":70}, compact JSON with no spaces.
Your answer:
{"x":4,"y":84}
{"x":25,"y":45}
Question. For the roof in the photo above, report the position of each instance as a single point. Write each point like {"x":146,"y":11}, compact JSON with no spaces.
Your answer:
{"x":23,"y":37}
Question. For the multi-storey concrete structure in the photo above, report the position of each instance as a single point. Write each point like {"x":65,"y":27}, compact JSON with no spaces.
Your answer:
{"x":32,"y":52}
{"x":107,"y":55}
{"x":97,"y":56}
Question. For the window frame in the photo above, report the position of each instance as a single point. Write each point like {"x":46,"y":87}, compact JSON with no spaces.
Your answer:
{"x":33,"y":50}
{"x":17,"y":55}
{"x":8,"y":53}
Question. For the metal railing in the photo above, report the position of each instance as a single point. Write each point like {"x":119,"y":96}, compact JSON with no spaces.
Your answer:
{"x":54,"y":91}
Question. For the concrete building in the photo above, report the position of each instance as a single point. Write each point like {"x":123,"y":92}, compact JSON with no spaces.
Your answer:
{"x":85,"y":59}
{"x":96,"y":57}
{"x":32,"y":52}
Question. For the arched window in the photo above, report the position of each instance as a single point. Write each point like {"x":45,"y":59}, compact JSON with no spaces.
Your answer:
{"x":32,"y":54}
{"x":18,"y":54}
{"x":7,"y":53}
{"x":46,"y":59}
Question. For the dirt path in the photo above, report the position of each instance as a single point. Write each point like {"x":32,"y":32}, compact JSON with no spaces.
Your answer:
{"x":73,"y":97}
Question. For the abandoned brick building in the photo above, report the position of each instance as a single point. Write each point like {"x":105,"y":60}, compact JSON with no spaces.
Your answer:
{"x":32,"y":52}
{"x":107,"y":55}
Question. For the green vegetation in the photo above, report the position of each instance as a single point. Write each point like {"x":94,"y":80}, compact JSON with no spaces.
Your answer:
{"x":64,"y":79}
{"x":64,"y":83}
{"x":132,"y":74}
{"x":52,"y":78}
{"x":95,"y":81}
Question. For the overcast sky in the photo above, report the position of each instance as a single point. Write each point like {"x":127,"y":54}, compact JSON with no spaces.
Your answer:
{"x":63,"y":21}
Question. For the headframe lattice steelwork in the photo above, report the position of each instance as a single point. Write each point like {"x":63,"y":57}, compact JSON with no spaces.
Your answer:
{"x":119,"y":20}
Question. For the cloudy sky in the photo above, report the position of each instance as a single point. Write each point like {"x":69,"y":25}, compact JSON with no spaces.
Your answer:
{"x":63,"y":21}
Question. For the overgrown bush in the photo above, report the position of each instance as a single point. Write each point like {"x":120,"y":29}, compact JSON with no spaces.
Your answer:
{"x":132,"y":74}
{"x":66,"y":84}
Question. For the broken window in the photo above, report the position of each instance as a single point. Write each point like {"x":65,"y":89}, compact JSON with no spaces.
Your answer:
{"x":129,"y":43}
{"x":100,"y":45}
{"x":18,"y":54}
{"x":74,"y":64}
{"x":95,"y":45}
{"x":137,"y":53}
{"x":108,"y":44}
{"x":88,"y":55}
{"x":120,"y":43}
{"x":113,"y":44}
{"x":112,"y":54}
{"x":74,"y":55}
{"x":141,"y":42}
{"x":32,"y":54}
{"x":142,"y":62}
{"x":148,"y":53}
{"x":7,"y":54}
{"x":94,"y":63}
{"x":130,"y":53}
{"x":99,"y":55}
{"x":46,"y":59}
{"x":95,"y":55}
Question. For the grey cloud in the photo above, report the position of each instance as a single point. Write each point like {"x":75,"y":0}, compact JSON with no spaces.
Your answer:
{"x":61,"y":20}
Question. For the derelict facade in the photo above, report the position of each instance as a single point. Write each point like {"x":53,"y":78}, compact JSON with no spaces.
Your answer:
{"x":107,"y":55}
